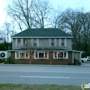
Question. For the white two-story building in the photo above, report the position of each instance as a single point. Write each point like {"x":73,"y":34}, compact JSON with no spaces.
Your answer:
{"x":43,"y":46}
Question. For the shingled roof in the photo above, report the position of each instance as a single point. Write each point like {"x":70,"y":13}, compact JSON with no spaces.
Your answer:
{"x":44,"y":33}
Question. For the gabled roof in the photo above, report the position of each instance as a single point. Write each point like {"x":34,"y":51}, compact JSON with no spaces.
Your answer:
{"x":42,"y":33}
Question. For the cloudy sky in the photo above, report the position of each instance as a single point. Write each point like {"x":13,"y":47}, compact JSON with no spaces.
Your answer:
{"x":61,"y":3}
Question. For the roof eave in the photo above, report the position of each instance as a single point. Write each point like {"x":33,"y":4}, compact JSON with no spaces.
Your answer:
{"x":46,"y":37}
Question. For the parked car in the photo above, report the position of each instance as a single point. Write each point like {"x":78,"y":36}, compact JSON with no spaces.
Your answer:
{"x":85,"y":59}
{"x":88,"y":58}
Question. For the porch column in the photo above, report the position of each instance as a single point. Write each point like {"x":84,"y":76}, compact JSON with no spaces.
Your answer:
{"x":50,"y":56}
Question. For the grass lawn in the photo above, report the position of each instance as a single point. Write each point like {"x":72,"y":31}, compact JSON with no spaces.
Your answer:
{"x":38,"y":87}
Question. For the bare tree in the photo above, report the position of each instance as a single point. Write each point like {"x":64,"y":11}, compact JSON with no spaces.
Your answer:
{"x":57,"y":19}
{"x":71,"y":22}
{"x":8,"y":29}
{"x":30,"y":13}
{"x":78,"y":22}
{"x":42,"y":10}
{"x":84,"y":18}
{"x":1,"y":33}
{"x":21,"y":11}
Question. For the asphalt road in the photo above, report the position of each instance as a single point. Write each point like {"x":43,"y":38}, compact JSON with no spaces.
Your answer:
{"x":44,"y":74}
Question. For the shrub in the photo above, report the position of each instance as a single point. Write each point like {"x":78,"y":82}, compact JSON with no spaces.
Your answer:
{"x":9,"y":61}
{"x":70,"y":63}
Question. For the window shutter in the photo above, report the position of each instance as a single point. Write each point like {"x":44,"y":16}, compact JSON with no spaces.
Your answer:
{"x":21,"y":42}
{"x":49,"y":42}
{"x":59,"y":42}
{"x":15,"y":42}
{"x":65,"y":42}
{"x":32,"y":42}
{"x":37,"y":42}
{"x":55,"y":42}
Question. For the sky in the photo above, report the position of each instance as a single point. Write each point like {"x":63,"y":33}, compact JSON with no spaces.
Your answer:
{"x":75,"y":4}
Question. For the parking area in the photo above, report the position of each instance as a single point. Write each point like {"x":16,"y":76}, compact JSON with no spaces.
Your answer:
{"x":87,"y":63}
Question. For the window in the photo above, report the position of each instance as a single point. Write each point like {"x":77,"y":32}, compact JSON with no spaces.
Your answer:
{"x":41,"y":55}
{"x":52,"y":42}
{"x":17,"y":55}
{"x":60,"y":55}
{"x":19,"y":42}
{"x":22,"y":55}
{"x":25,"y":41}
{"x":62,"y":42}
{"x":35,"y":42}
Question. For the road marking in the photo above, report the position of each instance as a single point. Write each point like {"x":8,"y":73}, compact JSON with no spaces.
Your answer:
{"x":39,"y":71}
{"x":43,"y":77}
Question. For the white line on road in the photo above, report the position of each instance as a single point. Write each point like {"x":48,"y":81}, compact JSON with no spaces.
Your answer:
{"x":37,"y":71}
{"x":43,"y":77}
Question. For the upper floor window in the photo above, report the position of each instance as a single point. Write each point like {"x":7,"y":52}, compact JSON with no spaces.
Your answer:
{"x":52,"y":42}
{"x":34,"y":42}
{"x":24,"y":41}
{"x":62,"y":42}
